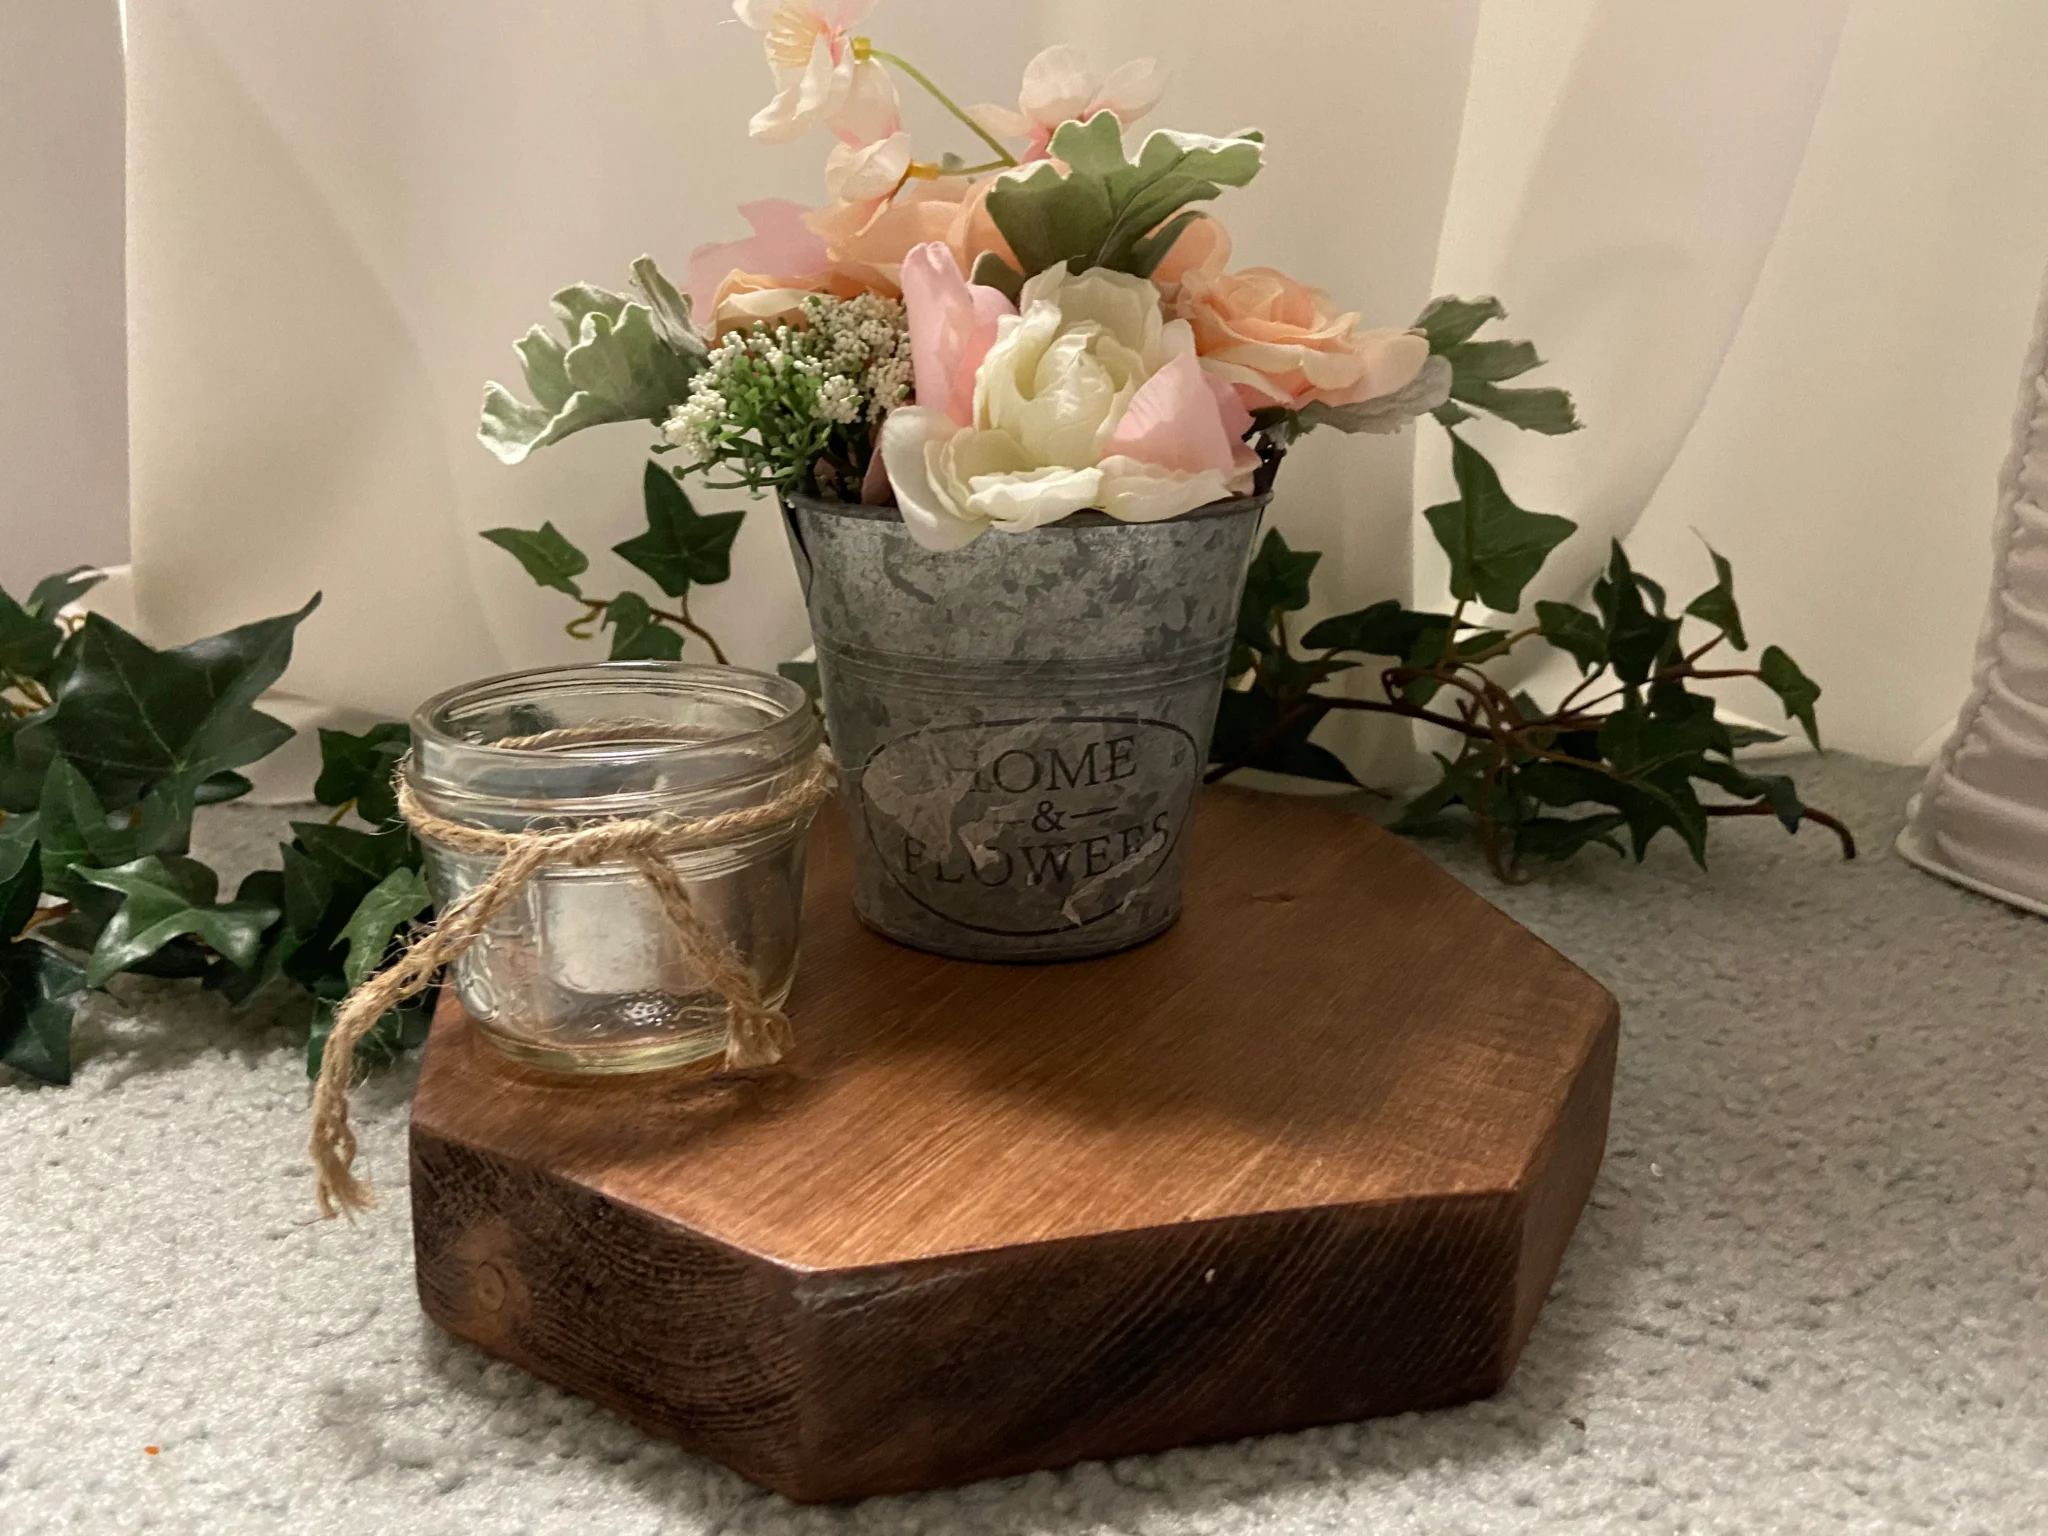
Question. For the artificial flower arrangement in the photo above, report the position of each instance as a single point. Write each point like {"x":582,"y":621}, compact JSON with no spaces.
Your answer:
{"x":1009,"y":348}
{"x":1050,"y":334}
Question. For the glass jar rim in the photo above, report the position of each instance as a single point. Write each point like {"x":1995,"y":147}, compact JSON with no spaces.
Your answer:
{"x":787,"y":732}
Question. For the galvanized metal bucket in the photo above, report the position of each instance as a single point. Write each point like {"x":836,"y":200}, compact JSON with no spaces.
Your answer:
{"x":1022,"y":724}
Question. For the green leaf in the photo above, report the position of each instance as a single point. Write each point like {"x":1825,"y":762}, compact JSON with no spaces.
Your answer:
{"x":549,"y":558}
{"x":1384,"y":629}
{"x":28,"y":642}
{"x":621,"y":361}
{"x":358,"y":769}
{"x":308,"y":888}
{"x":398,"y":898}
{"x":350,"y":857}
{"x":1576,"y":632}
{"x":1489,"y":362}
{"x":39,"y":995}
{"x":805,"y":675}
{"x":75,"y":831}
{"x":171,"y":898}
{"x":991,"y":271}
{"x":1495,"y":547}
{"x":681,"y":547}
{"x":21,"y":889}
{"x":1428,"y":391}
{"x":1716,"y":605}
{"x":1740,"y":736}
{"x":1447,"y":321}
{"x":636,"y":634}
{"x":53,"y":594}
{"x":129,"y":716}
{"x":1549,"y":411}
{"x":1558,"y":838}
{"x":1639,"y":639}
{"x":1246,"y":735}
{"x":1795,"y":690}
{"x":403,"y":1029}
{"x":1774,"y":789}
{"x":1276,"y":583}
{"x":1102,"y":208}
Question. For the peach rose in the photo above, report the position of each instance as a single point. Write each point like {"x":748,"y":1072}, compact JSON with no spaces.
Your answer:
{"x":1203,"y":249}
{"x":745,"y":297}
{"x":1282,"y":343}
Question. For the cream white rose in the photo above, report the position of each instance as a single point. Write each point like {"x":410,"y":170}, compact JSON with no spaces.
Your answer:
{"x":1088,"y":397}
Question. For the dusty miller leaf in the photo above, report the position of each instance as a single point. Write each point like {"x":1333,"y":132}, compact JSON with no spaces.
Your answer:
{"x":1099,"y":211}
{"x":622,"y":360}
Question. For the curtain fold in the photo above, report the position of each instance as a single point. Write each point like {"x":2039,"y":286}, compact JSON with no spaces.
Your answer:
{"x":333,"y":246}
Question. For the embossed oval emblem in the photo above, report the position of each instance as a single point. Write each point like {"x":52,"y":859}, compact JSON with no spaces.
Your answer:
{"x":1030,"y":826}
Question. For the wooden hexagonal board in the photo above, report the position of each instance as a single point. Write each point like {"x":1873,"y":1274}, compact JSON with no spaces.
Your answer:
{"x":1313,"y":1155}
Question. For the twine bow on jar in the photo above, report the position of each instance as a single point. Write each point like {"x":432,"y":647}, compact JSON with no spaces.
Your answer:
{"x":757,"y":1034}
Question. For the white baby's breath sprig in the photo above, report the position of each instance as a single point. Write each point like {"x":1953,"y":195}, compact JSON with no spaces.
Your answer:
{"x":790,"y":405}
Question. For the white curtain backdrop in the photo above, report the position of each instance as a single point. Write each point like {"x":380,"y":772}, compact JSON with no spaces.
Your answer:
{"x":63,"y":393}
{"x":1784,"y":251}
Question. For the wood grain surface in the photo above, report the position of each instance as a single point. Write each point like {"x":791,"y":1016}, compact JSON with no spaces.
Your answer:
{"x":1312,"y":1155}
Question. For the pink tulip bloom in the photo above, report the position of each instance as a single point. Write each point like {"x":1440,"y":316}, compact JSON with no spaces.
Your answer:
{"x":953,"y":323}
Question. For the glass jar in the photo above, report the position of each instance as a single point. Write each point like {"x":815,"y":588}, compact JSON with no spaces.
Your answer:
{"x":583,"y":973}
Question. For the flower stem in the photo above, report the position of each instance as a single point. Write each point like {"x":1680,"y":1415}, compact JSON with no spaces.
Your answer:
{"x":1003,"y":156}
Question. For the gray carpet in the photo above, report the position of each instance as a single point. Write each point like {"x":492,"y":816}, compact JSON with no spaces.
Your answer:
{"x":1808,"y":1295}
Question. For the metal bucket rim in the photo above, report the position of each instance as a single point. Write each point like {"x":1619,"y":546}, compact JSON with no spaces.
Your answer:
{"x":1231,"y":506}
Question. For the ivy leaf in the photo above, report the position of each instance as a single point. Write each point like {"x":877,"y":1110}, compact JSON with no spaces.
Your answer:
{"x":1639,"y":638}
{"x":1384,"y":629}
{"x":28,"y":642}
{"x":353,"y":858}
{"x":1775,"y":790}
{"x":1276,"y":583}
{"x":1247,"y":735}
{"x":1448,"y":321}
{"x":1795,"y":690}
{"x":1716,"y":605}
{"x":1576,"y":632}
{"x":1100,"y":210}
{"x":403,"y":1029}
{"x":53,"y":594}
{"x":805,"y":675}
{"x":1495,"y":547}
{"x":681,"y":546}
{"x":128,"y":716}
{"x":1559,"y":838}
{"x":636,"y":634}
{"x":171,"y":898}
{"x":549,"y":558}
{"x":75,"y":831}
{"x":397,"y":899}
{"x":622,"y":360}
{"x":39,"y":996}
{"x":358,"y":770}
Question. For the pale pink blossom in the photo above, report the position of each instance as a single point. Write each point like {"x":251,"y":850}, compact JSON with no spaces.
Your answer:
{"x":1059,"y":86}
{"x":819,"y":77}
